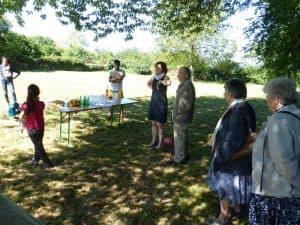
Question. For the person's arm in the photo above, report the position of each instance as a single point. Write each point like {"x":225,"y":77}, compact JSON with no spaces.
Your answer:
{"x":21,"y":119}
{"x":121,"y":77}
{"x":282,"y":149}
{"x":18,"y":73}
{"x":246,"y":149}
{"x":110,"y":79}
{"x":22,"y":116}
{"x":166,"y":82}
{"x":235,"y":137}
{"x":150,"y":81}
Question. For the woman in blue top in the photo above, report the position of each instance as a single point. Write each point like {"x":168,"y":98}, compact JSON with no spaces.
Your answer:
{"x":158,"y":109}
{"x":230,"y":171}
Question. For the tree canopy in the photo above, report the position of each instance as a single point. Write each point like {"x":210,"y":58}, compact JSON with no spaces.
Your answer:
{"x":106,"y":16}
{"x":274,"y":31}
{"x":275,"y":34}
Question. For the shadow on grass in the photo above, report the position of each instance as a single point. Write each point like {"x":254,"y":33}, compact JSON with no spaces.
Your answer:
{"x":110,"y":177}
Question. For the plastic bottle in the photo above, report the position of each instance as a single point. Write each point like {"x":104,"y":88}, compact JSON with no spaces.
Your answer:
{"x":110,"y":94}
{"x":107,"y":92}
{"x":120,"y":94}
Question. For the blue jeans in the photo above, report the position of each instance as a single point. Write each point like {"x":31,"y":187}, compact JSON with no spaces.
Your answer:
{"x":8,"y":82}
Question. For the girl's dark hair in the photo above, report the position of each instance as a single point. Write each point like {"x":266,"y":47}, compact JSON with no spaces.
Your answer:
{"x":237,"y":88}
{"x":163,"y":66}
{"x":33,"y":93}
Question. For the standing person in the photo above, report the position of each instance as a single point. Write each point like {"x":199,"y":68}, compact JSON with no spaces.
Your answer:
{"x":116,"y":77}
{"x":7,"y":77}
{"x":158,"y":109}
{"x":276,"y":159}
{"x":230,"y":176}
{"x":183,"y":112}
{"x":32,"y":116}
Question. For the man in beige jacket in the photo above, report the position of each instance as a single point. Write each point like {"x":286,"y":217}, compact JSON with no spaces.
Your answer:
{"x":183,"y":112}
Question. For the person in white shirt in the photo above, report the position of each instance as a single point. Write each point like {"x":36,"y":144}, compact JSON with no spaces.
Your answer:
{"x":116,"y":77}
{"x":8,"y":74}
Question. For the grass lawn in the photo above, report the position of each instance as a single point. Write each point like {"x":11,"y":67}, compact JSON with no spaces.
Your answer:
{"x":108,"y":176}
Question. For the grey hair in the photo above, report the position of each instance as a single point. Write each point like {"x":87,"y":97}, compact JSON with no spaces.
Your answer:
{"x":284,"y":88}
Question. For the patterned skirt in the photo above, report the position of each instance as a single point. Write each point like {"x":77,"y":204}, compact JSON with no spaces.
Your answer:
{"x":232,"y":187}
{"x":270,"y":210}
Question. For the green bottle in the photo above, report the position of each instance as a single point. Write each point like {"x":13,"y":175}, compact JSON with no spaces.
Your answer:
{"x":87,"y":101}
{"x":84,"y":102}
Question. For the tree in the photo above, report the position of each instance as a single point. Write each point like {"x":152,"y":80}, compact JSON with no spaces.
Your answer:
{"x":76,"y":46}
{"x":106,"y":16}
{"x":216,"y":47}
{"x":19,"y":48}
{"x":178,"y":50}
{"x":100,"y":16}
{"x":275,"y":36}
{"x":4,"y":25}
{"x":77,"y":52}
{"x":46,"y":45}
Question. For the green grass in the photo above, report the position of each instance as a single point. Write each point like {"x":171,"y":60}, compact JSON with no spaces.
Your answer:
{"x":109,"y":175}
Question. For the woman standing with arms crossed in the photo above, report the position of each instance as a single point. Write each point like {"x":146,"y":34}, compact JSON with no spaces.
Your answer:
{"x":158,"y":109}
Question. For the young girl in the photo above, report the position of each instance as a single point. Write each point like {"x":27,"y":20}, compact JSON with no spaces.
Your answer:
{"x":32,"y":116}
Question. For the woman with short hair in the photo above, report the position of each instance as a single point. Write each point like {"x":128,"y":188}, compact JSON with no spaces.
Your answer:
{"x":230,"y":171}
{"x":276,"y":159}
{"x":158,"y":108}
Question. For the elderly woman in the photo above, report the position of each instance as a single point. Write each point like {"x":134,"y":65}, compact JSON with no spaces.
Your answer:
{"x":276,"y":159}
{"x":158,"y":108}
{"x":230,"y":169}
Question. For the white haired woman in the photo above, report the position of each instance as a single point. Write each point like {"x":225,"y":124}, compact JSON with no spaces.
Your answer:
{"x":276,"y":159}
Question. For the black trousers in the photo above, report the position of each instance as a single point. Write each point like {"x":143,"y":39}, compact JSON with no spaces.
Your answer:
{"x":39,"y":150}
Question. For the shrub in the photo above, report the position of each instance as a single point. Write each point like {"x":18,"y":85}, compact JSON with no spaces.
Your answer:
{"x":257,"y":75}
{"x":19,"y":48}
{"x":59,"y":63}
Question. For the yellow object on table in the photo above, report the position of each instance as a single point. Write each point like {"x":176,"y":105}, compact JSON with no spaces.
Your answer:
{"x":73,"y":103}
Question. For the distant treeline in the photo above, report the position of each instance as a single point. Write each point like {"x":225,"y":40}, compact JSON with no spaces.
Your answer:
{"x":42,"y":54}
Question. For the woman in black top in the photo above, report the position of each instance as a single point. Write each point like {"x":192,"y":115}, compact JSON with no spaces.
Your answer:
{"x":158,"y":109}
